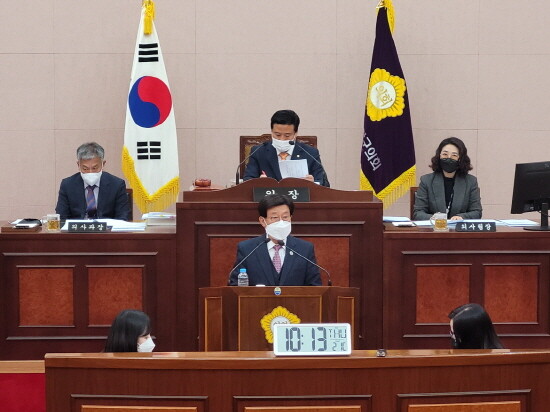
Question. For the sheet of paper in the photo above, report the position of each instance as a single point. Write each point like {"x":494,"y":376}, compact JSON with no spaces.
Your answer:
{"x":519,"y":222}
{"x":294,"y":168}
{"x":395,"y":219}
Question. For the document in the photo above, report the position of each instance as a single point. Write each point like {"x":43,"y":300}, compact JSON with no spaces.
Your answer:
{"x":294,"y":168}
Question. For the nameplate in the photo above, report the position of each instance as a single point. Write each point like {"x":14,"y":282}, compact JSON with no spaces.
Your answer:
{"x":298,"y":194}
{"x":88,"y":227}
{"x":476,"y":227}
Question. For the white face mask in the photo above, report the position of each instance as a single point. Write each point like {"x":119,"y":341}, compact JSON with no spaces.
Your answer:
{"x":278,"y":230}
{"x":146,"y":346}
{"x":282,"y":146}
{"x":91,"y":178}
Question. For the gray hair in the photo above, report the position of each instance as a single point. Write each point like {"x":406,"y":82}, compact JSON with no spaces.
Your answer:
{"x":89,"y":151}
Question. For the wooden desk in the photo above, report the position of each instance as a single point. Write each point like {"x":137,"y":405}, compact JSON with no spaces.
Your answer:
{"x":256,"y":381}
{"x":428,"y":274}
{"x":60,"y":291}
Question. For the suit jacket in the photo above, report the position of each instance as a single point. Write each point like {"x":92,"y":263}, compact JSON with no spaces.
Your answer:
{"x":430,"y":197}
{"x":296,"y":271}
{"x":264,"y":158}
{"x":112,"y":198}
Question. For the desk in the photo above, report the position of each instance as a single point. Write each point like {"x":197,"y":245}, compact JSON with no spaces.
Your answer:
{"x":61,"y":291}
{"x":428,"y":274}
{"x":256,"y":381}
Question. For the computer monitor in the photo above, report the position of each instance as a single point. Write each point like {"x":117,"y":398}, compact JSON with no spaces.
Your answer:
{"x":532,"y":191}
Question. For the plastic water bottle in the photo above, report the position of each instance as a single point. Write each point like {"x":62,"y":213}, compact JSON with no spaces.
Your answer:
{"x":242,"y":279}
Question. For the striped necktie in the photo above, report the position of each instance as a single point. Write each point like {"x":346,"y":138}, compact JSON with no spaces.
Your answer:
{"x":91,"y":206}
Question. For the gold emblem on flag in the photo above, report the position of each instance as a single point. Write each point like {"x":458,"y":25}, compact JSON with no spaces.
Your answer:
{"x":278,"y":315}
{"x":386,"y":95}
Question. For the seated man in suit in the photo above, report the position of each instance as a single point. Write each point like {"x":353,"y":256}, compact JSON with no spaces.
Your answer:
{"x":272,"y":264}
{"x":92,"y":193}
{"x":265,"y":158}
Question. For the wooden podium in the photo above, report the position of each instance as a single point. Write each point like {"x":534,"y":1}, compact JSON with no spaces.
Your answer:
{"x":231,"y":316}
{"x":345,"y":227}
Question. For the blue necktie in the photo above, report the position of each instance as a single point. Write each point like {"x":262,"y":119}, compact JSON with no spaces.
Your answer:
{"x":91,"y":206}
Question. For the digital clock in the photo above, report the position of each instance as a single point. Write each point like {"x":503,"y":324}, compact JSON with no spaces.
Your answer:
{"x":311,"y":339}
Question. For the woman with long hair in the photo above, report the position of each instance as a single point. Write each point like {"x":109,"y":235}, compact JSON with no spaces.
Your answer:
{"x":472,"y":328}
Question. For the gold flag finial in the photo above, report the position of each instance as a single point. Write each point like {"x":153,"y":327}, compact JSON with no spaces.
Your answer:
{"x":149,"y":16}
{"x":390,"y":11}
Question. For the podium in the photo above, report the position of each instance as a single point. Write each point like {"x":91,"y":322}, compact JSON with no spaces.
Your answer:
{"x":345,"y":227}
{"x":230,"y":317}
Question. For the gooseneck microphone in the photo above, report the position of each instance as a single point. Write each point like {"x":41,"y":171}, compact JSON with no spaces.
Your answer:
{"x":243,"y":259}
{"x":325,"y":177}
{"x":329,"y":280}
{"x":237,"y":175}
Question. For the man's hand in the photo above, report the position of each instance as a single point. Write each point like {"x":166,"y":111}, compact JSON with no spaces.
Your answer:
{"x":456,"y":218}
{"x":310,"y":178}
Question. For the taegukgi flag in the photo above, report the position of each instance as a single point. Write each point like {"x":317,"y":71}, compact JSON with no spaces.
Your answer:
{"x":150,"y":152}
{"x":388,"y":165}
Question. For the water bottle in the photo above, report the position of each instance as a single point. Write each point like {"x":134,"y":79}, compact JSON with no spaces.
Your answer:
{"x":242,"y":279}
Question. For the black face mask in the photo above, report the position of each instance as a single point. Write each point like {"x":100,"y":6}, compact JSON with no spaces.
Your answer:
{"x":448,"y":165}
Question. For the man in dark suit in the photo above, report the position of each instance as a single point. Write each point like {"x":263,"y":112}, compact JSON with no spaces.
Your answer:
{"x":92,"y":193}
{"x":265,"y":158}
{"x":272,"y":264}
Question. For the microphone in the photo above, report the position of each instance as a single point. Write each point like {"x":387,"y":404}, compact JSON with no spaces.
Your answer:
{"x":237,"y":175}
{"x":325,"y":177}
{"x":329,"y":280}
{"x":243,"y":259}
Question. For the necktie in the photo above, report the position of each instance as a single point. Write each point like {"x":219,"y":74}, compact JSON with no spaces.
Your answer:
{"x":91,"y":206}
{"x":283,"y":155}
{"x":277,"y":259}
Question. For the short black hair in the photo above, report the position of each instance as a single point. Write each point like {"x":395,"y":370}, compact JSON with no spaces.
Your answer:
{"x":473,"y":328}
{"x":464,"y":165}
{"x":286,"y":117}
{"x":274,"y":200}
{"x":127,"y":327}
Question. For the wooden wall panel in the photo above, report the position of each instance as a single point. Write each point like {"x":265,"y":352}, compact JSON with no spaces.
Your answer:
{"x":511,"y":292}
{"x":469,"y":407}
{"x":46,"y":296}
{"x":332,"y":253}
{"x":223,"y":251}
{"x":439,"y":289}
{"x":100,"y":408}
{"x":87,"y":278}
{"x":213,"y":323}
{"x":351,"y":408}
{"x":111,"y":289}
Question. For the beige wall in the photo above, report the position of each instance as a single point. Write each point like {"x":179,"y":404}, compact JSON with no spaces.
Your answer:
{"x":477,"y":69}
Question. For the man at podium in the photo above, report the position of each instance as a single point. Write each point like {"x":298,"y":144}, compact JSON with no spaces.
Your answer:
{"x":276,"y":258}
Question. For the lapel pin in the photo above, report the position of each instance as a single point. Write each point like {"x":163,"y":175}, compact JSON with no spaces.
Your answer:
{"x":291,"y":253}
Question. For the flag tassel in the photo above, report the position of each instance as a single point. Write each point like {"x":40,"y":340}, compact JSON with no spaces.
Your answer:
{"x":397,"y":188}
{"x":158,"y":201}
